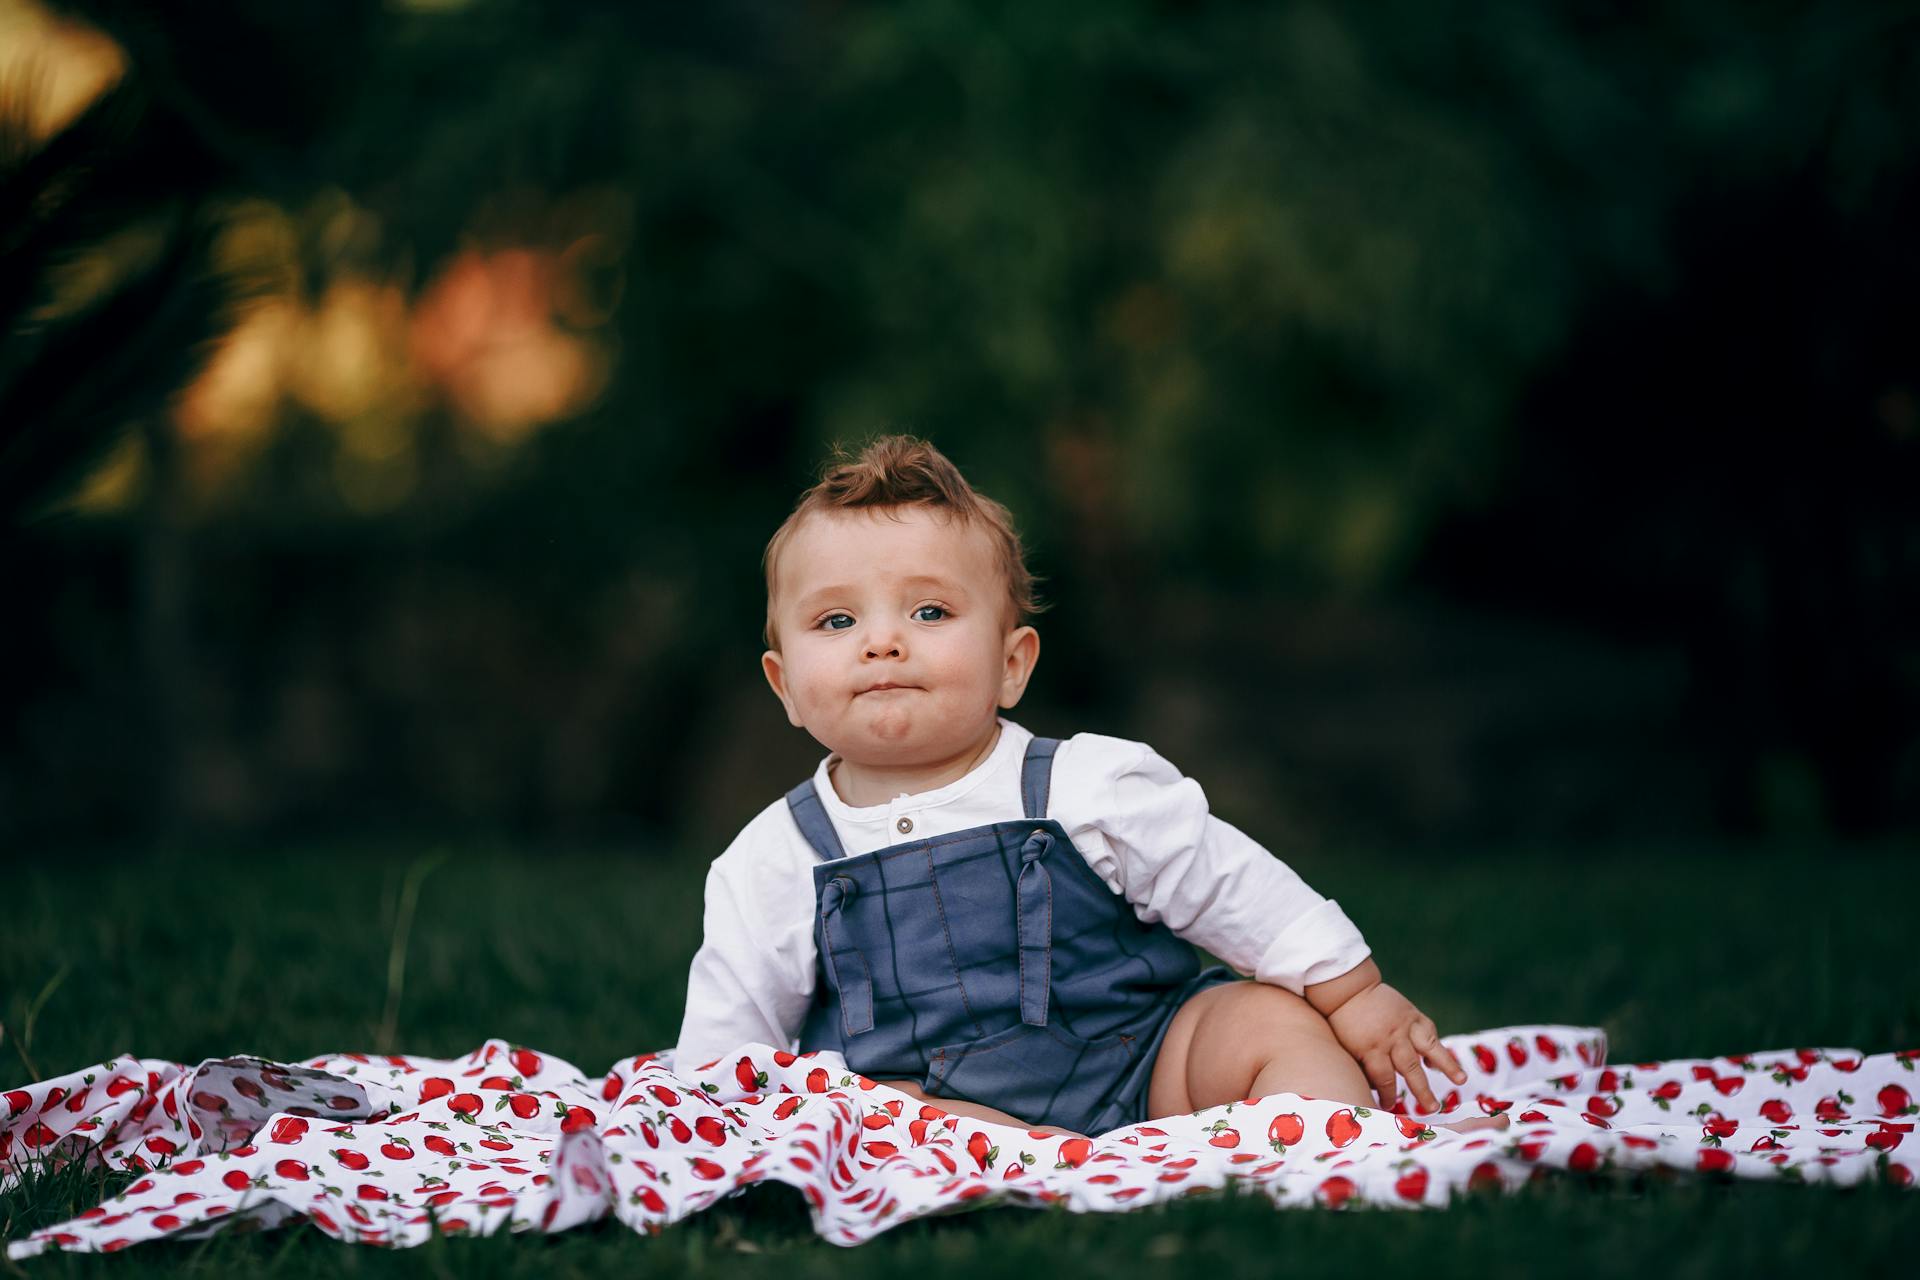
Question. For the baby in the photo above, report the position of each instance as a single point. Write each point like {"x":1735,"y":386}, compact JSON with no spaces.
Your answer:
{"x":992,"y":920}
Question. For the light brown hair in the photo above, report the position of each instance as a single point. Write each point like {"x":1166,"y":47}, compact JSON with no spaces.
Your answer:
{"x":899,"y":471}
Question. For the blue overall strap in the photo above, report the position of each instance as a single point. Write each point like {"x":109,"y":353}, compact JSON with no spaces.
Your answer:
{"x":846,"y":966}
{"x":1033,"y":892}
{"x":811,"y":817}
{"x":1036,"y":775}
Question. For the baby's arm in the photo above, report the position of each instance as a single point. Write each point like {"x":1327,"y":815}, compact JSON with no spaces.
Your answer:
{"x":1151,"y":835}
{"x":1385,"y":1032}
{"x":749,"y":981}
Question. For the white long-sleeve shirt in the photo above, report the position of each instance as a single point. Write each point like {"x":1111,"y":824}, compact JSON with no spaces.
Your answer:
{"x":1142,"y":827}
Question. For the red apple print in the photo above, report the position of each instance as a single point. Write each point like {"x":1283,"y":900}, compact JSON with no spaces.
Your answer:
{"x":1517,"y":1051}
{"x":496,"y":1144}
{"x":55,"y":1096}
{"x":288,"y":1129}
{"x":1342,"y":1128}
{"x":236,"y":1180}
{"x":1285,"y":1130}
{"x":396,"y":1151}
{"x":707,"y":1169}
{"x":1225,"y":1138}
{"x":611,"y":1089}
{"x":1412,"y":1185}
{"x":1899,"y":1175}
{"x":982,"y":1151}
{"x":1609,"y":1081}
{"x":293,"y":1170}
{"x":1895,"y":1101}
{"x":368,"y":1191}
{"x":1491,"y":1105}
{"x":497,"y":1083}
{"x":1721,"y":1127}
{"x":1884,"y":1139}
{"x":1335,"y":1191}
{"x":1776,"y":1110}
{"x":577,"y":1118}
{"x":710,"y":1128}
{"x":247,"y":1089}
{"x":435,"y":1087}
{"x":465,"y":1104}
{"x":817,"y":1080}
{"x":1073,"y":1153}
{"x":1714,"y":1160}
{"x":649,"y":1134}
{"x":749,"y":1078}
{"x":161,"y":1146}
{"x":1546,"y":1048}
{"x":787,"y":1107}
{"x":649,"y":1199}
{"x":1828,"y":1109}
{"x":1853,"y":1064}
{"x":524,"y":1105}
{"x":439,"y":1146}
{"x":880,"y":1150}
{"x":18,"y":1100}
{"x":188,"y":1166}
{"x":668,"y":1098}
{"x":1727,"y":1086}
{"x":1601,"y":1105}
{"x":351,"y":1159}
{"x":1667,"y":1090}
{"x":678,"y":1128}
{"x":1484,"y":1058}
{"x":525,"y":1061}
{"x":343,"y":1102}
{"x":1583,"y":1158}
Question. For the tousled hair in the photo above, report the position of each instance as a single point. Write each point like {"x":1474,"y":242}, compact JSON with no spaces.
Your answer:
{"x":901,"y":471}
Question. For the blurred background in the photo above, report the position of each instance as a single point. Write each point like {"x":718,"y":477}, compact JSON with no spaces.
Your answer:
{"x":1446,"y":426}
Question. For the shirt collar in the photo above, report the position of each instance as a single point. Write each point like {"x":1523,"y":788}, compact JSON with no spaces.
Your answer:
{"x":1008,"y":751}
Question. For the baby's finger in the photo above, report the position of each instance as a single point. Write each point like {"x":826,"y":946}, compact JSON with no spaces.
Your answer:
{"x":1426,"y":1038}
{"x":1408,"y":1064}
{"x":1379,"y":1071}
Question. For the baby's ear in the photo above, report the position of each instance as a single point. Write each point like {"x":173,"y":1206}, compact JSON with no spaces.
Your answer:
{"x":776,"y":672}
{"x":1023,"y":652}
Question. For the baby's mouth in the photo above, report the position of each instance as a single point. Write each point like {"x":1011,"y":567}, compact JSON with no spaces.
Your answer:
{"x":889,"y":688}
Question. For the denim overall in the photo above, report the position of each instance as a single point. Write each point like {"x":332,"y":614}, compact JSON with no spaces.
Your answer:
{"x":993,"y":964}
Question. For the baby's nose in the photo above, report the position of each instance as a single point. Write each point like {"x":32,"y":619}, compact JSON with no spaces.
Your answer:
{"x":883,"y":642}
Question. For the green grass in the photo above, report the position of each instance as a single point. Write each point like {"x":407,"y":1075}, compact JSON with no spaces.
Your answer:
{"x":583,"y":954}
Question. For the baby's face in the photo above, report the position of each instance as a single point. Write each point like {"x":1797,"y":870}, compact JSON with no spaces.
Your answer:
{"x":898,"y":596}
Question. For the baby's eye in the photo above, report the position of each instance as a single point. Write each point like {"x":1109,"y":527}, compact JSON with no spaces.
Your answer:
{"x":830,"y":619}
{"x":939,"y":609}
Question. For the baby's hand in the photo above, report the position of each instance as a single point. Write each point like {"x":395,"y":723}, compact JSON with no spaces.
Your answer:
{"x":1385,"y":1033}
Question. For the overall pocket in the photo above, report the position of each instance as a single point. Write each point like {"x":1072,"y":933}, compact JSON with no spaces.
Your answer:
{"x":1040,"y":1075}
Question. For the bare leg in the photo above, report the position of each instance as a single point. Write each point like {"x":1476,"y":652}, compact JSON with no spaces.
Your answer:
{"x":1246,"y":1040}
{"x":978,"y":1111}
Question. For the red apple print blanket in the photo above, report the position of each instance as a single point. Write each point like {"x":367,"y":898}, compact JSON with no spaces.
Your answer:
{"x":386,"y":1150}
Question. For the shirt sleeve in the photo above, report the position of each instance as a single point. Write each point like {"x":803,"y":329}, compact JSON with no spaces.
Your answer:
{"x":752,"y":978}
{"x":1147,"y":832}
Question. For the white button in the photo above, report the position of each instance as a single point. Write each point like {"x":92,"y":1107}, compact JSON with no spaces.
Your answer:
{"x":904,"y":825}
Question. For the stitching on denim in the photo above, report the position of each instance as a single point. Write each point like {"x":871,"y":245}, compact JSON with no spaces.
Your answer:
{"x":953,"y":957}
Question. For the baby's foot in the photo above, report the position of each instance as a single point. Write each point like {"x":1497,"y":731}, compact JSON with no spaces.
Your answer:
{"x":1476,"y":1122}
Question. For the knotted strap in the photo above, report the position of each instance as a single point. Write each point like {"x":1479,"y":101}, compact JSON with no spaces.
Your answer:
{"x":1033,"y":910}
{"x":846,"y":967}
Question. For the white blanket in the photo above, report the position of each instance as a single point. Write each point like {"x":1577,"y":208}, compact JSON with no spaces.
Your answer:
{"x":386,"y":1150}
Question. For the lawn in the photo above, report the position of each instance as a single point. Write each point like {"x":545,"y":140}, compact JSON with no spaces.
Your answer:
{"x":583,"y":953}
